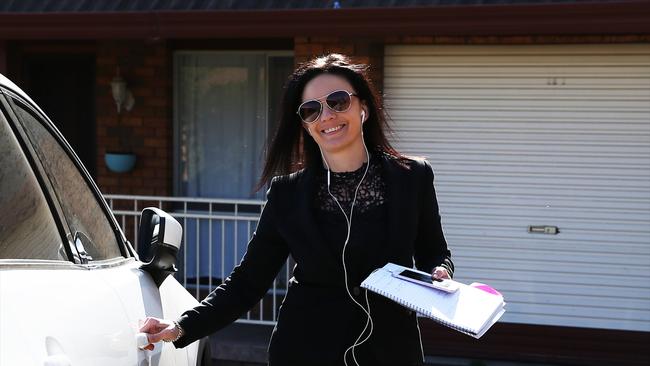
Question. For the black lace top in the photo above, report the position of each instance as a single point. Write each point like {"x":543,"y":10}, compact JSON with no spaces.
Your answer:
{"x":367,"y":246}
{"x":371,"y":194}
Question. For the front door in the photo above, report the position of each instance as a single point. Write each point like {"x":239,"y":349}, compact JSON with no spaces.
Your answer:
{"x":64,"y":86}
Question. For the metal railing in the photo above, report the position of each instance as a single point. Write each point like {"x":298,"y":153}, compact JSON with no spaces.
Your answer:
{"x":215,"y":236}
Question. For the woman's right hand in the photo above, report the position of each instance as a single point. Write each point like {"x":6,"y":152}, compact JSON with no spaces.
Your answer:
{"x":159,"y":330}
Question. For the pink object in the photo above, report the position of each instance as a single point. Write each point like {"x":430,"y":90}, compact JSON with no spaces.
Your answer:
{"x":486,"y":288}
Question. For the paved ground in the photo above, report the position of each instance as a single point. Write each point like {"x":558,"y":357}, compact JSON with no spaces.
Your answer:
{"x":241,"y":345}
{"x":245,"y":345}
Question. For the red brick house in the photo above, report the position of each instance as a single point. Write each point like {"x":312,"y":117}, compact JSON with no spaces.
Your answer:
{"x":534,"y":114}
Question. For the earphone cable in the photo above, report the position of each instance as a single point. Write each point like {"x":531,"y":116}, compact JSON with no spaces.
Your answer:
{"x":348,"y":220}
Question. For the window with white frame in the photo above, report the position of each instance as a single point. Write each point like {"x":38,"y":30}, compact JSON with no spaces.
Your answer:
{"x":224,"y":111}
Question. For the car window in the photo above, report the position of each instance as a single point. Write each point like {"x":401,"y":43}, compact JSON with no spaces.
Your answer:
{"x":83,"y":213}
{"x":27,"y":227}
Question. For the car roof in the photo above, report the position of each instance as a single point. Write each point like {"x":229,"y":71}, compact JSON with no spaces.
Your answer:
{"x":9,"y":85}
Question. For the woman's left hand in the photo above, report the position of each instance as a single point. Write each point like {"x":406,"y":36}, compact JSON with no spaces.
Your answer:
{"x":440,"y":273}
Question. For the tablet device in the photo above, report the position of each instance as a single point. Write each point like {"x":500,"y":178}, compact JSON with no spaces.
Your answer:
{"x":426,"y":279}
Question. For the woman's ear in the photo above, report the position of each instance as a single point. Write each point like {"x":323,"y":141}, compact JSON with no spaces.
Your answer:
{"x":364,"y":112}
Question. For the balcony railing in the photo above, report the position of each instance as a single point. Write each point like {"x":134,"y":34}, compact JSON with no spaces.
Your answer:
{"x":215,"y":235}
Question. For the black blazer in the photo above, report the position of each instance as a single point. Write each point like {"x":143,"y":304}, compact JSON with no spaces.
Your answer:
{"x":316,"y":307}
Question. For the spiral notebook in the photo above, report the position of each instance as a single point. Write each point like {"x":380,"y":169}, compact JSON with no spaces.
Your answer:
{"x":469,"y":310}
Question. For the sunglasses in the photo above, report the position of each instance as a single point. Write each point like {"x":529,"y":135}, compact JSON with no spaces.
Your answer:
{"x":338,"y":101}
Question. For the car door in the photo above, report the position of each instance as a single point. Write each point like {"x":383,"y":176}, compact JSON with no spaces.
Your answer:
{"x":52,"y":311}
{"x":93,"y":307}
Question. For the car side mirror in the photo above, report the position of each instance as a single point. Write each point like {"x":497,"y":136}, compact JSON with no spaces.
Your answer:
{"x":159,"y":236}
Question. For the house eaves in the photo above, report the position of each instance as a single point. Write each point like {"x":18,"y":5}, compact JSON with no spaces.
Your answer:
{"x":462,"y":18}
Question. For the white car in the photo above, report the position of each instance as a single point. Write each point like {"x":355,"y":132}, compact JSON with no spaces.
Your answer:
{"x":72,"y":289}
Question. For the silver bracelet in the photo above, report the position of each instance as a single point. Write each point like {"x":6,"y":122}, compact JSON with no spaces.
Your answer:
{"x":180,"y":332}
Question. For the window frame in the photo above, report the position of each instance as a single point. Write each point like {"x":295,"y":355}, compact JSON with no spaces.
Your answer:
{"x":267,"y":53}
{"x":54,"y":209}
{"x":13,"y":101}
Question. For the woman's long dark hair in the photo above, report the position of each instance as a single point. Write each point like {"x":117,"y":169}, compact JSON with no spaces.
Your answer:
{"x":292,"y":148}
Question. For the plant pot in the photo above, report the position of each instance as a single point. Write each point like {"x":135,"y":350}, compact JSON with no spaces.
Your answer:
{"x":119,"y":162}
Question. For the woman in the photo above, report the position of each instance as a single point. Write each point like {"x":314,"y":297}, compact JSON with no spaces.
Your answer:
{"x":355,"y":205}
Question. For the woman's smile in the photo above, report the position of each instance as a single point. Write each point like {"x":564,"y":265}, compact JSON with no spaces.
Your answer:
{"x":333,"y":130}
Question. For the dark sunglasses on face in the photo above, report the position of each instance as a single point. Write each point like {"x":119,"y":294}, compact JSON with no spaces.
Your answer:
{"x":338,"y":101}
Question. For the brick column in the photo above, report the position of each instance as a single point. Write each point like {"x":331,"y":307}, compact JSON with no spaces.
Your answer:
{"x":146,"y":130}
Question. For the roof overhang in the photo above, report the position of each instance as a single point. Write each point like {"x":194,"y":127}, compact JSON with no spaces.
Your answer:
{"x":581,"y":18}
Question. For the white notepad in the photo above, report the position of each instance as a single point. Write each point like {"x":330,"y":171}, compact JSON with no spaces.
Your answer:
{"x":469,"y":310}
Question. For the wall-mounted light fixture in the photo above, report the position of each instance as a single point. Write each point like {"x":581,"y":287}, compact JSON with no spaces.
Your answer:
{"x":122,"y":159}
{"x":121,"y":94}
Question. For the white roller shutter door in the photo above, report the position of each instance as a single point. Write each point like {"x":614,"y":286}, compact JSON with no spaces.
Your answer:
{"x":521,"y":136}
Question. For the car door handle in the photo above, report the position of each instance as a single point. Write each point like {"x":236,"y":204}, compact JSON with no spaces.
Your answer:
{"x":141,"y":340}
{"x":55,"y":353}
{"x":57,"y":360}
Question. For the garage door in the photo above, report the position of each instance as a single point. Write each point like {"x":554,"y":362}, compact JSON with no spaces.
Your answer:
{"x":542,"y":162}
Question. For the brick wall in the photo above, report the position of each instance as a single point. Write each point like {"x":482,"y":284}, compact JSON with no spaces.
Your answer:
{"x":146,"y":130}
